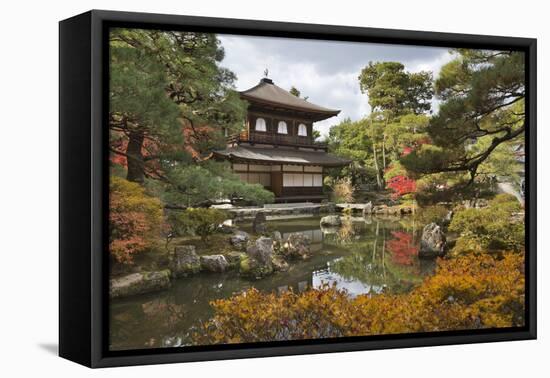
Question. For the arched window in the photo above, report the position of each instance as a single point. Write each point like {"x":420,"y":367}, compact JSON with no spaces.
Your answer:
{"x":281,"y":129}
{"x":302,"y":130}
{"x":260,"y":125}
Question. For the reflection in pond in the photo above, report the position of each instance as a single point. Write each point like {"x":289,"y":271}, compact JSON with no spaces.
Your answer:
{"x":361,"y":257}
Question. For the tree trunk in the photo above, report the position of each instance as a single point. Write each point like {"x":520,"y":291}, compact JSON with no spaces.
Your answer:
{"x":134,"y":158}
{"x":384,"y":144}
{"x":384,"y":152}
{"x":378,"y":179}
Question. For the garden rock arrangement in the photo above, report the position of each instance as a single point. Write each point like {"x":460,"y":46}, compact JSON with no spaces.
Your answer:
{"x":297,"y":246}
{"x":433,"y":242}
{"x":185,"y":261}
{"x":258,"y":260}
{"x":277,"y":237}
{"x":214,"y":263}
{"x":259,"y":225}
{"x":262,"y":257}
{"x":139,"y":283}
{"x":239,"y":240}
{"x":234,"y":259}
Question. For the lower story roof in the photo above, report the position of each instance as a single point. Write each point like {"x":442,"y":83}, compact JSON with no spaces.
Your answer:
{"x":281,"y":156}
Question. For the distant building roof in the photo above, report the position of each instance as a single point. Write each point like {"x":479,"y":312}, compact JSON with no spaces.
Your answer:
{"x":282,"y":156}
{"x":267,"y":93}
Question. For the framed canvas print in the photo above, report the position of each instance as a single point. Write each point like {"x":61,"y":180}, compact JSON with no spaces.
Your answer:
{"x":233,"y":188}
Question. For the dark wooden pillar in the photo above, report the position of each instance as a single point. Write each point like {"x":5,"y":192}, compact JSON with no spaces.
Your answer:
{"x":277,"y":183}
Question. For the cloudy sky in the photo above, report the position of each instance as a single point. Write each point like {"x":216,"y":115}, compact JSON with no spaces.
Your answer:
{"x":326,"y":71}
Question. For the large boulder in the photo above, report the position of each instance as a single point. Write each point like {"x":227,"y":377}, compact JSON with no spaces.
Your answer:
{"x":234,"y":258}
{"x":261,"y":250}
{"x":239,"y":240}
{"x":259,"y":225}
{"x":331,"y":221}
{"x":258,"y":260}
{"x":432,"y":243}
{"x":139,"y":283}
{"x":185,"y":261}
{"x":276,"y":236}
{"x":214,"y":263}
{"x":297,"y":246}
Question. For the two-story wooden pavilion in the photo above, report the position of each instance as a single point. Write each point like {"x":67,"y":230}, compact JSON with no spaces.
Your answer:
{"x":277,"y":148}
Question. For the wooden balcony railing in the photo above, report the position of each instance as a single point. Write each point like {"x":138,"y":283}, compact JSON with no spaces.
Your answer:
{"x":277,"y":139}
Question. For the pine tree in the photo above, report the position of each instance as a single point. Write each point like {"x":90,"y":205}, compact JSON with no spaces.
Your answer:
{"x":481,"y":117}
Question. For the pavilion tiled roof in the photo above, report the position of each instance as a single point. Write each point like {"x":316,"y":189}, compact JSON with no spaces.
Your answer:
{"x":281,"y":156}
{"x":266,"y":92}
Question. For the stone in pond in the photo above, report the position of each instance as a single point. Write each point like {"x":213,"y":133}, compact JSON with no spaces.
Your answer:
{"x":239,"y":240}
{"x":258,"y":260}
{"x":262,"y":250}
{"x":432,"y":243}
{"x":331,"y":221}
{"x":234,"y":258}
{"x":297,"y":246}
{"x":185,"y":261}
{"x":139,"y":283}
{"x":367,"y":209}
{"x":259,"y":226}
{"x":279,"y":264}
{"x":214,"y":263}
{"x":276,"y":235}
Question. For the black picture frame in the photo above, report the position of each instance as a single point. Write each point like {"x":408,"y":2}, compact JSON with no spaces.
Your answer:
{"x":83,"y":105}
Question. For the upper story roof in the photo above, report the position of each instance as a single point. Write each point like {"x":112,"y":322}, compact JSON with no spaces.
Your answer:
{"x":269,"y":94}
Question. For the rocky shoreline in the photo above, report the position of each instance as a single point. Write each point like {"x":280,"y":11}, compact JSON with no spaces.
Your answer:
{"x":255,"y":258}
{"x":252,"y":259}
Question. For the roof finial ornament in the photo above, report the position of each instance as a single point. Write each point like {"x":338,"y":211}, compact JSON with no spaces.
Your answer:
{"x":266,"y":73}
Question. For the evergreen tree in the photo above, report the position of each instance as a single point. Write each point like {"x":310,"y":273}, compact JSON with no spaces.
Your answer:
{"x":480,"y":120}
{"x":169,"y":101}
{"x":392,"y":92}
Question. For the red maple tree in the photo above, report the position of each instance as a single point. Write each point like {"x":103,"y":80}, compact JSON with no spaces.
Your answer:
{"x":401,"y":185}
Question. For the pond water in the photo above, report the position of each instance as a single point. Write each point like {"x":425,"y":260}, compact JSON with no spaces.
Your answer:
{"x":361,"y":257}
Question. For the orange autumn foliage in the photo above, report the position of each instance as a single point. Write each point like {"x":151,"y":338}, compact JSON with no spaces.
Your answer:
{"x":135,"y":219}
{"x":465,"y":293}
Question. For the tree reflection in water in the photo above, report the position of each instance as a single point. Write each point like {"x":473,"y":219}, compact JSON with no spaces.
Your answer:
{"x":387,"y":260}
{"x":363,"y":256}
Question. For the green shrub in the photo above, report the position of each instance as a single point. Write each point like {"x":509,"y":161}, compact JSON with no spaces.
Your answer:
{"x":198,"y":221}
{"x":490,"y":229}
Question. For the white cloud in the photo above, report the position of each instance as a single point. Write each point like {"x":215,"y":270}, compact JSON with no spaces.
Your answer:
{"x":326,"y":72}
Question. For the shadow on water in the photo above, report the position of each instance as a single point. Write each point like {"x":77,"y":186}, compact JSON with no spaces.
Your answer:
{"x":362,"y":257}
